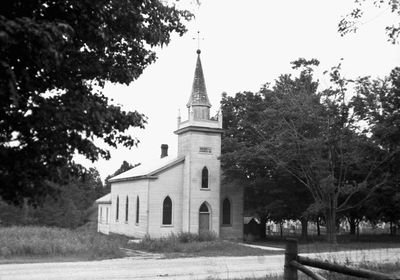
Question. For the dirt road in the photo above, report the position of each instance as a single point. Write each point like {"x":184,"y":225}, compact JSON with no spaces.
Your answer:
{"x":182,"y":268}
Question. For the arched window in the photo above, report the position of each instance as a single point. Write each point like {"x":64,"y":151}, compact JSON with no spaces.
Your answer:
{"x":167,"y":211}
{"x":204,"y":208}
{"x":226,"y":212}
{"x":106,"y":215}
{"x":137,"y":209}
{"x":204,"y":178}
{"x":117,"y":209}
{"x":126,"y":208}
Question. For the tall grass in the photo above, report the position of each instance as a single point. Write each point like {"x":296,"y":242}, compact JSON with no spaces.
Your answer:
{"x":179,"y":243}
{"x":31,"y":241}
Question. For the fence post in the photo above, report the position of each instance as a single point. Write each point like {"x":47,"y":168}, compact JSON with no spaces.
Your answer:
{"x":290,"y":272}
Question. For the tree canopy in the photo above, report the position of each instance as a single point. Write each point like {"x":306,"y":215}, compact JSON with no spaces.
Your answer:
{"x":311,"y":133}
{"x":352,"y":21}
{"x":55,"y":57}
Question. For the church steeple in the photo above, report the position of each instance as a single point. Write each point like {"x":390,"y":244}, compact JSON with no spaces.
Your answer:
{"x":198,"y":102}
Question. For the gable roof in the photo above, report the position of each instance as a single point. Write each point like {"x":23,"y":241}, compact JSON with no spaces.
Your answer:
{"x":147,"y":170}
{"x":104,"y":199}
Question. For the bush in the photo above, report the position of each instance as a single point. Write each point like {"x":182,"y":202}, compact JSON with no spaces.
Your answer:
{"x":182,"y":242}
{"x":207,"y":236}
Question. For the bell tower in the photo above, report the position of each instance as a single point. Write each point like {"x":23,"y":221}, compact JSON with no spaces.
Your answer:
{"x":199,"y":141}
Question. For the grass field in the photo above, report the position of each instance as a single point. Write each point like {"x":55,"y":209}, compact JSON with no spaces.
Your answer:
{"x":25,"y":244}
{"x":193,"y":245}
{"x":35,"y":244}
{"x":316,"y":244}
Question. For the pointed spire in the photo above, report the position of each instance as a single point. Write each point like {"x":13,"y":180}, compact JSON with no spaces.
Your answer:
{"x":199,"y":92}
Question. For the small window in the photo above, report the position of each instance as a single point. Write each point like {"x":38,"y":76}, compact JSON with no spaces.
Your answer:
{"x":117,"y":209}
{"x":126,"y":208}
{"x":101,"y":214}
{"x":137,"y":209}
{"x":106,"y":215}
{"x":167,"y":211}
{"x":204,"y":178}
{"x":226,"y":212}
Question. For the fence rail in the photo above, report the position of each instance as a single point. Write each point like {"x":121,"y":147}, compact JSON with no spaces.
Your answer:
{"x":294,"y":262}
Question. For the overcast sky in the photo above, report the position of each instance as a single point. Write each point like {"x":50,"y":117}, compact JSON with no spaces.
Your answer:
{"x":246,"y":44}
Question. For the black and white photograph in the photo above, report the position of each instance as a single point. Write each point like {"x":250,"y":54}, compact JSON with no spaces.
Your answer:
{"x":199,"y":139}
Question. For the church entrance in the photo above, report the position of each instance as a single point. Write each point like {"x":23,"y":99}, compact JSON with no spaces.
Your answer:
{"x":204,"y":218}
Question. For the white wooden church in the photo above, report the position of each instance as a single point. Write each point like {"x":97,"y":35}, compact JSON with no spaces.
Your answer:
{"x":180,"y":193}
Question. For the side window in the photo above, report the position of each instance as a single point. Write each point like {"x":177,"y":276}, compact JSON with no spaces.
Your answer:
{"x":117,"y":209}
{"x":226,"y":212}
{"x":107,"y":215}
{"x":126,"y":208}
{"x":137,"y":209}
{"x":167,"y":211}
{"x":204,"y":178}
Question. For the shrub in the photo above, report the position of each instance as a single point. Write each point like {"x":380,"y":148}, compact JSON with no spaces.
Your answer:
{"x":182,"y":242}
{"x":187,"y":237}
{"x":207,"y":236}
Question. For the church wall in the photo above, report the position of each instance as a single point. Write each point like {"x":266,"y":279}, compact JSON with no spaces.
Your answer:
{"x":103,"y":220}
{"x":235,"y":195}
{"x":132,"y":189}
{"x":169,"y":183}
{"x":192,"y":141}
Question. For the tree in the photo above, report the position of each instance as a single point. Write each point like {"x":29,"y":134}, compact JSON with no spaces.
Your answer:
{"x":270,"y":192}
{"x":351,"y":22}
{"x":125,"y":166}
{"x":55,"y":57}
{"x":313,"y":136}
{"x":377,"y":104}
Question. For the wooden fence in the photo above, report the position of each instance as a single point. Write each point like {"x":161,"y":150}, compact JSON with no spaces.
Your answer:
{"x":294,"y":263}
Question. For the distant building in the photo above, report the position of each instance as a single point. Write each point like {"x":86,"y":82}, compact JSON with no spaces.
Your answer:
{"x":180,"y":193}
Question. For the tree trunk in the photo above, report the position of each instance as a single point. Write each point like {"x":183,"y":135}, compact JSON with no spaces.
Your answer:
{"x":304,"y":228}
{"x":352,"y":223}
{"x":330,"y":216}
{"x":318,"y":227}
{"x":281,"y":227}
{"x":358,"y":227}
{"x":263,"y":227}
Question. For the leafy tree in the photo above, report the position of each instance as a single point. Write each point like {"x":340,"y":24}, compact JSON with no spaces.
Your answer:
{"x":377,"y":104}
{"x":125,"y":166}
{"x":312,"y":135}
{"x":352,"y":21}
{"x":55,"y":57}
{"x":270,"y":192}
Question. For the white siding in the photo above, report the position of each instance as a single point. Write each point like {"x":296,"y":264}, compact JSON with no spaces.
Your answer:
{"x":103,"y":224}
{"x":132,"y":189}
{"x":193,"y":195}
{"x":169,"y":183}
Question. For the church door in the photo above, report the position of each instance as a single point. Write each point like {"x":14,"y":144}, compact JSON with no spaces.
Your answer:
{"x":204,"y":218}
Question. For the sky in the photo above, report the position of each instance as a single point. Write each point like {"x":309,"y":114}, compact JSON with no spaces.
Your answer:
{"x":244,"y":44}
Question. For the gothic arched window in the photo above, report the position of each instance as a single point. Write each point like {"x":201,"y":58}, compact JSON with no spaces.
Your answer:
{"x":137,"y":209}
{"x":117,"y":209}
{"x":167,"y":211}
{"x":226,"y":212}
{"x":126,"y":208}
{"x":204,"y":178}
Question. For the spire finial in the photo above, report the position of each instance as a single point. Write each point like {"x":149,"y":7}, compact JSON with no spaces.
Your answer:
{"x":198,"y":41}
